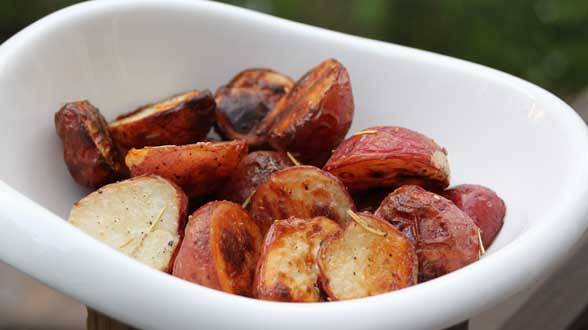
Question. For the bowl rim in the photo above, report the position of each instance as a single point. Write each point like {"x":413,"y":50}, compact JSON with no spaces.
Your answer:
{"x":33,"y":221}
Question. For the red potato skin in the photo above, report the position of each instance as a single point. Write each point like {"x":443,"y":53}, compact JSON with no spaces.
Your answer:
{"x":446,"y":238}
{"x":91,"y":156}
{"x":482,"y":205}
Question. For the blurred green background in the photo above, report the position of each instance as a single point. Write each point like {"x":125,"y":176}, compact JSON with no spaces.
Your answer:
{"x":544,"y":41}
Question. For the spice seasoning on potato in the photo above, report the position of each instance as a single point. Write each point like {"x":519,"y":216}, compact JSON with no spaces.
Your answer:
{"x":446,"y":238}
{"x":88,"y":150}
{"x":220,"y":249}
{"x":389,"y":157}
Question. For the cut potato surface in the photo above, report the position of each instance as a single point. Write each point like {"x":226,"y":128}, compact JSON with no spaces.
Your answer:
{"x":88,"y":150}
{"x":220,"y":248}
{"x":287,"y":269}
{"x":446,"y":238}
{"x":182,"y":119}
{"x":369,"y":257}
{"x":142,"y":217}
{"x":302,"y":192}
{"x":389,"y":157}
{"x":200,"y":169}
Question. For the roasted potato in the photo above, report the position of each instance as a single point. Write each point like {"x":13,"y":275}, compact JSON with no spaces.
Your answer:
{"x":482,"y":205}
{"x":369,"y":257}
{"x":142,"y":217}
{"x":253,"y":170}
{"x":181,"y":119}
{"x":245,"y":101}
{"x":302,"y":192}
{"x":313,"y":118}
{"x":389,"y":157}
{"x":446,"y":238}
{"x":220,"y":248}
{"x":287,"y":269}
{"x":88,"y":150}
{"x":200,"y":169}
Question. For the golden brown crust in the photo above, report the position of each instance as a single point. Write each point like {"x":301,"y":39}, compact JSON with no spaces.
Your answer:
{"x":182,"y":119}
{"x":389,"y":157}
{"x":220,"y":248}
{"x":446,"y":238}
{"x":200,"y":169}
{"x":287,"y":269}
{"x":88,"y":150}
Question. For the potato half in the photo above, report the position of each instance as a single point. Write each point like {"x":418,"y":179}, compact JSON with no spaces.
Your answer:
{"x":389,"y":157}
{"x":200,"y":169}
{"x":369,"y":257}
{"x":142,"y":217}
{"x":287,"y":269}
{"x":220,"y":248}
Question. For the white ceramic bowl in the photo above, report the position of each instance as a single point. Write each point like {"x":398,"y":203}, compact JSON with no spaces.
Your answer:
{"x":500,"y":131}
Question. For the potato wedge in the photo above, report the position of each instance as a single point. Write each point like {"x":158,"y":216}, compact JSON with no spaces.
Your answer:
{"x":367,"y":258}
{"x":143,"y":217}
{"x":253,"y":170}
{"x":389,"y":157}
{"x":88,"y":150}
{"x":245,"y":101}
{"x":482,"y":205}
{"x":200,"y":169}
{"x":287,"y":269}
{"x":182,"y":119}
{"x":302,"y":192}
{"x":220,"y":248}
{"x":313,"y":118}
{"x":446,"y":238}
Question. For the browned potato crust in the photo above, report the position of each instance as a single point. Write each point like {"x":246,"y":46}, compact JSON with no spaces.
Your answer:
{"x":389,"y":157}
{"x":182,"y":119}
{"x":89,"y":153}
{"x":302,"y":192}
{"x":287,"y":269}
{"x":245,"y":101}
{"x":252,"y":171}
{"x":200,"y":169}
{"x":361,"y":262}
{"x":220,"y":248}
{"x":446,"y":238}
{"x":314,"y":117}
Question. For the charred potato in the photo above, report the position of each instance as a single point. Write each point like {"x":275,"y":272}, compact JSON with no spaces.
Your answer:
{"x":200,"y":169}
{"x":313,"y":118}
{"x":287,"y":269}
{"x":482,"y":205}
{"x":302,"y":192}
{"x":142,"y":217}
{"x":446,"y":238}
{"x":245,"y":101}
{"x":389,"y":157}
{"x":181,"y":119}
{"x":220,"y":249}
{"x":252,"y":171}
{"x":367,"y":258}
{"x":88,"y":150}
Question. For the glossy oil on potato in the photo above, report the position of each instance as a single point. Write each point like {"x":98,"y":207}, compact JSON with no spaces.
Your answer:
{"x":200,"y":169}
{"x":359,"y":262}
{"x":287,"y":269}
{"x":245,"y":101}
{"x":482,"y":205}
{"x":446,"y":238}
{"x":181,"y":119}
{"x":143,"y":217}
{"x":313,"y":118}
{"x":88,"y":150}
{"x":220,"y":248}
{"x":389,"y":157}
{"x":302,"y":192}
